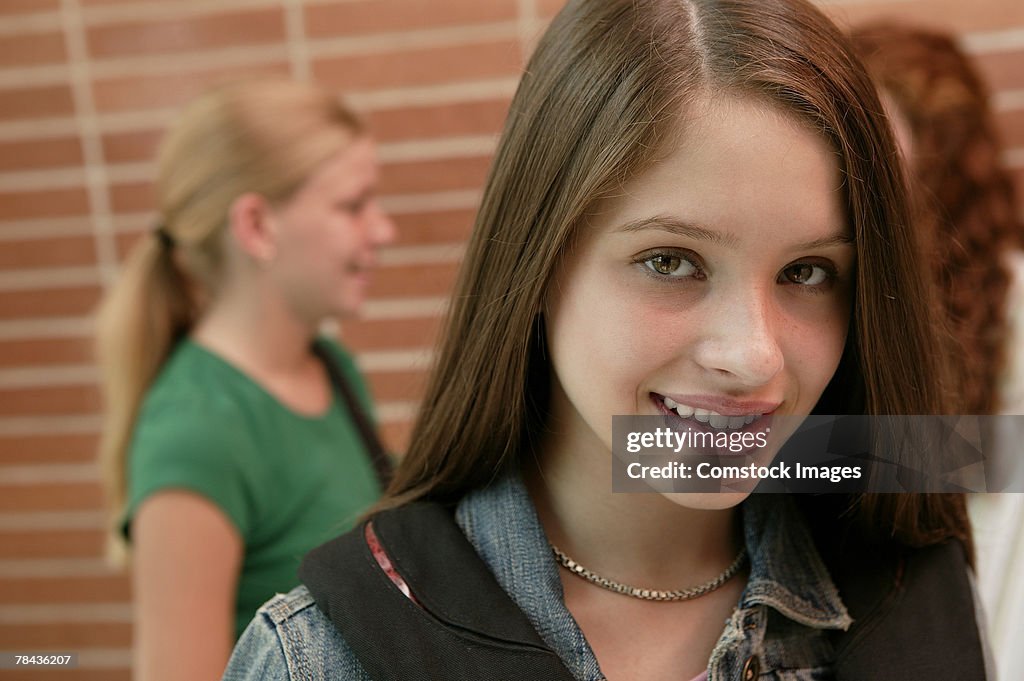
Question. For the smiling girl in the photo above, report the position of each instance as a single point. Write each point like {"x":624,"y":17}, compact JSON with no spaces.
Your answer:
{"x":696,"y":210}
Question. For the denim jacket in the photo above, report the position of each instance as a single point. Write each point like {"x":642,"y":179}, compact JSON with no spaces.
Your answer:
{"x":777,"y":631}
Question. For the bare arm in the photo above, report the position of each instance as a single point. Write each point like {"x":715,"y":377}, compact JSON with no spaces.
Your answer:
{"x":186,"y":561}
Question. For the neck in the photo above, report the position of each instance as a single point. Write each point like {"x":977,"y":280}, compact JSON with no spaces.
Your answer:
{"x":255,"y":330}
{"x":642,"y":539}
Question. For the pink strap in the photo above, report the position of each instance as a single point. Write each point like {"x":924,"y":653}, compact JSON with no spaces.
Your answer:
{"x":381,"y":556}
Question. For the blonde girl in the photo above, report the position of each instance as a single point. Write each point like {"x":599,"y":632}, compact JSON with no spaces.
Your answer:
{"x":236,"y":437}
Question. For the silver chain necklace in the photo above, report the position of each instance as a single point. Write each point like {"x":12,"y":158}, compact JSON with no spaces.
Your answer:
{"x":651,"y":594}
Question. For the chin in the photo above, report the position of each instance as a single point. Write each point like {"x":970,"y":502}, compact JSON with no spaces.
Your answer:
{"x":706,"y":501}
{"x":347,"y":309}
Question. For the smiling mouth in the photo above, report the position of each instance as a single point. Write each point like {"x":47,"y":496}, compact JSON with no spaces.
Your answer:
{"x":705,"y":417}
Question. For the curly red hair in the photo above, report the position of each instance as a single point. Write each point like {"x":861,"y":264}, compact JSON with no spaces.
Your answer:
{"x":966,"y":198}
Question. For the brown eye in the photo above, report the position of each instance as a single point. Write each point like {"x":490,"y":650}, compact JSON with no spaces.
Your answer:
{"x":665,"y":264}
{"x":669,"y":265}
{"x":806,"y":274}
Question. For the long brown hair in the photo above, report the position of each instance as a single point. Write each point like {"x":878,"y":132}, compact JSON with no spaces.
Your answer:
{"x":604,"y":88}
{"x":265,"y":136}
{"x":967,"y":211}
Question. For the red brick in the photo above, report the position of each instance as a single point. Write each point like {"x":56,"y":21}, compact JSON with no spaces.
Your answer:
{"x":439,"y":227}
{"x":28,"y":6}
{"x":69,"y":496}
{"x":130,"y":147}
{"x":1002,"y":70}
{"x":45,"y":351}
{"x":464,"y":118}
{"x":62,"y":674}
{"x":416,"y":177}
{"x":547,"y":9}
{"x":129,"y":93}
{"x":422,"y":66}
{"x":58,"y":152}
{"x":414,"y":280}
{"x":72,"y":636}
{"x":1011,"y":128}
{"x":135,"y":197}
{"x":47,"y":448}
{"x":397,"y":386}
{"x":377,"y":16}
{"x":52,"y":544}
{"x":36,"y":102}
{"x":390,"y":334}
{"x":91,"y":589}
{"x":63,"y":251}
{"x":49,"y":401}
{"x":33,"y":49}
{"x":57,"y":302}
{"x":187,"y":34}
{"x":396,"y":436}
{"x":44,"y":203}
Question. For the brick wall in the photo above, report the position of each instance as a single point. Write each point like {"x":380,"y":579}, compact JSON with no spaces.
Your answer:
{"x":87,"y":86}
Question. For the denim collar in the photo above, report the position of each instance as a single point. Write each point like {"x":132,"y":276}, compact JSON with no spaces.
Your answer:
{"x":786,"y":570}
{"x":786,"y":573}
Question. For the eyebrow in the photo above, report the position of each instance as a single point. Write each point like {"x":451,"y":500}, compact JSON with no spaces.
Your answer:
{"x":694,"y":231}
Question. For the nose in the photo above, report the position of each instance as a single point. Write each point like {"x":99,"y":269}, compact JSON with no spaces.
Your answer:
{"x":740,"y":340}
{"x":381,"y":229}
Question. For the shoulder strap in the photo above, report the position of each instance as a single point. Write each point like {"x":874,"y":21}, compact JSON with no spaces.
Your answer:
{"x":456,"y":622}
{"x":378,"y":456}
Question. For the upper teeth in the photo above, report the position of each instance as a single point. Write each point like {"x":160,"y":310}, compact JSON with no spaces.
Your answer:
{"x":714,"y":419}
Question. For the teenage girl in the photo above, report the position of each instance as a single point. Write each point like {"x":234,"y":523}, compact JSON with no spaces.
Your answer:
{"x":696,"y":211}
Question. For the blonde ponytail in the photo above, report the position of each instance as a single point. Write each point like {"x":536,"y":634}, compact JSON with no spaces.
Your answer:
{"x":140,"y":319}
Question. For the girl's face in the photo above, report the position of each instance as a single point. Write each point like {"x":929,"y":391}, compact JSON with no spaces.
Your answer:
{"x":329,"y":232}
{"x":720,"y":279}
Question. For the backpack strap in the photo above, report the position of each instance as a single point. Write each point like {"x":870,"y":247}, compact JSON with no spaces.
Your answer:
{"x":378,"y":455}
{"x":456,"y":621}
{"x":914,"y":617}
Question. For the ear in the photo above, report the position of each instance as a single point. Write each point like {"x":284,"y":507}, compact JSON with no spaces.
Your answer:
{"x":252,"y":227}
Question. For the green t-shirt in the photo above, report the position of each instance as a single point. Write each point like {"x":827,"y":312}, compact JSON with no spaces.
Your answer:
{"x":288,"y":482}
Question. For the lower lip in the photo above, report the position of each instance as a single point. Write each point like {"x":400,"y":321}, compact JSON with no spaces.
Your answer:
{"x":758,"y":425}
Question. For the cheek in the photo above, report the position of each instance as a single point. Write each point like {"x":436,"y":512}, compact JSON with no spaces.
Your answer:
{"x":349,"y":244}
{"x":298,"y":240}
{"x":605,"y":344}
{"x":595,"y":325}
{"x":815,"y":348}
{"x":325,"y":249}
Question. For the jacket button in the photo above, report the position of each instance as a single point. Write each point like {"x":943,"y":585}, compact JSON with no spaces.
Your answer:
{"x":751,"y":668}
